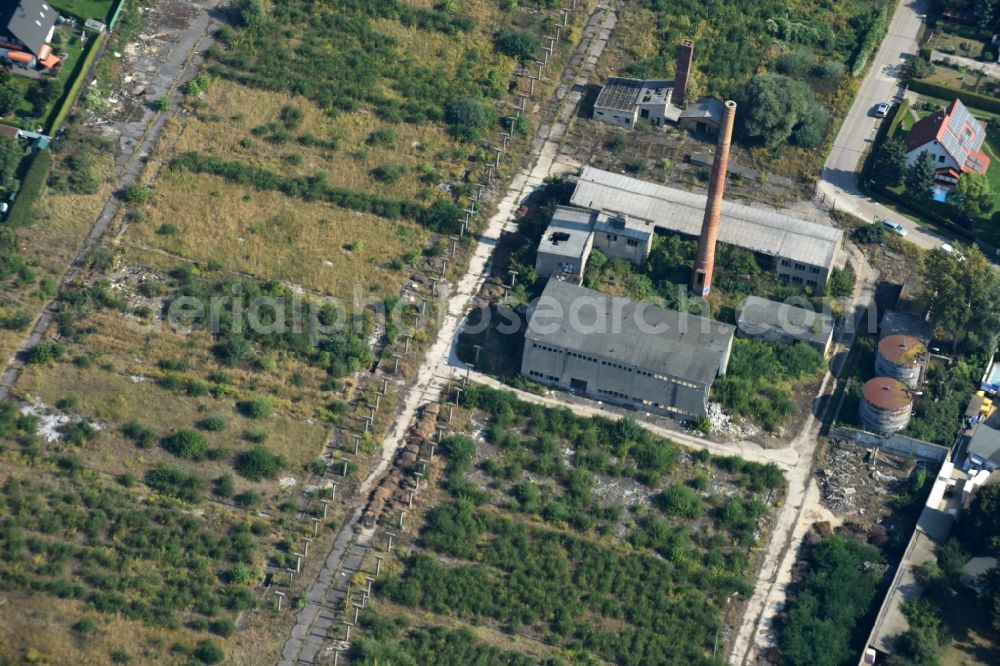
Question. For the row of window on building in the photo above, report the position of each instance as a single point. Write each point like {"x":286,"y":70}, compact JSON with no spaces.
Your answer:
{"x":800,"y":267}
{"x":616,"y":366}
{"x":631,"y":242}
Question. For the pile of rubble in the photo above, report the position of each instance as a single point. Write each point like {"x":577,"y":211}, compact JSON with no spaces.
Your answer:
{"x":398,"y":489}
{"x":851,"y":484}
{"x":725,"y":425}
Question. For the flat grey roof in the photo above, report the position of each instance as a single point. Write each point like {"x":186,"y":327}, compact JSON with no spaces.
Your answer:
{"x":985,"y":441}
{"x":760,"y":315}
{"x":637,"y":334}
{"x":707,"y":108}
{"x":567,"y":233}
{"x":626,"y":227}
{"x":655,"y":91}
{"x":894,"y":323}
{"x":765,"y":231}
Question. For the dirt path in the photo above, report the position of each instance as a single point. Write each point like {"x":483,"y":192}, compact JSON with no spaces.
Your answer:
{"x":316,"y":623}
{"x":802,"y":506}
{"x":172,"y":67}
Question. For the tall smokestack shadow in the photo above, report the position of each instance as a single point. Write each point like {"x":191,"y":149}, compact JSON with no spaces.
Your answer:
{"x":704,"y":263}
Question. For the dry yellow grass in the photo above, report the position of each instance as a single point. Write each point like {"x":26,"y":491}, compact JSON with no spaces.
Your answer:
{"x":316,"y":245}
{"x":112,"y":399}
{"x":53,"y":241}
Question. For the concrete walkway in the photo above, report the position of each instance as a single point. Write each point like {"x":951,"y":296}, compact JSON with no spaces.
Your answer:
{"x":837,"y":187}
{"x":316,"y":622}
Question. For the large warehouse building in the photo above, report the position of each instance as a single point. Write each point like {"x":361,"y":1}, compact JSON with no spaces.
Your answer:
{"x":612,"y":349}
{"x":803,"y":253}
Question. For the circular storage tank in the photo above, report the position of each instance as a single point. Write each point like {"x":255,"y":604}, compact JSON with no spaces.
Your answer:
{"x":901,"y":357}
{"x":886,"y":404}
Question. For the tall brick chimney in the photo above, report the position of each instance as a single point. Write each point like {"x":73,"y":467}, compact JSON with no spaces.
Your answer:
{"x":704,"y":262}
{"x":685,"y":56}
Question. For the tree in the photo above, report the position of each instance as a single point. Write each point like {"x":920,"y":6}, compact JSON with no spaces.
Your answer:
{"x":890,"y":164}
{"x":917,"y":68}
{"x":963,"y":298}
{"x":772,"y":106}
{"x":920,"y":177}
{"x":979,"y":526}
{"x":10,"y":97}
{"x":467,"y":118}
{"x":43,"y":94}
{"x":11,"y":153}
{"x":972,"y":195}
{"x":516,"y":44}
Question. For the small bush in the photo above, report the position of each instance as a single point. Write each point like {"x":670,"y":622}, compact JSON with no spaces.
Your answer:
{"x":247,"y":499}
{"x":135,"y":195}
{"x":46,"y":351}
{"x":187,"y":444}
{"x":222,"y":627}
{"x":142,"y":436}
{"x":258,"y":463}
{"x":258,"y":408}
{"x":209,"y":652}
{"x":214,"y":423}
{"x":224,"y":486}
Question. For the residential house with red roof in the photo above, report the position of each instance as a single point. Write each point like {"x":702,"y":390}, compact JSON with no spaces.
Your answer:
{"x":954,"y":138}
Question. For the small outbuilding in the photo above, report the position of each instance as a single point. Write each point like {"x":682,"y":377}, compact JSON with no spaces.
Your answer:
{"x":566,"y":244}
{"x":702,"y":117}
{"x":783,"y":323}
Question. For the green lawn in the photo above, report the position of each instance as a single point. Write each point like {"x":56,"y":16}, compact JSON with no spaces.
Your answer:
{"x":86,"y":9}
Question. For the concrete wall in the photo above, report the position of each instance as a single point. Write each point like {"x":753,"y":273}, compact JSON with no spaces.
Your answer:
{"x":801,"y":274}
{"x":612,"y":382}
{"x":546,"y":264}
{"x":616,"y":117}
{"x":656,"y":114}
{"x":897,"y":444}
{"x":616,"y":246}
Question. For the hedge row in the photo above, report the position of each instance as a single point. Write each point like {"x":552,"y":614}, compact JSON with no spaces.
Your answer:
{"x":31,"y":187}
{"x":871,"y":41}
{"x":971,"y":99}
{"x":897,"y":118}
{"x":441,"y":216}
{"x":924,"y":212}
{"x":81,"y":74}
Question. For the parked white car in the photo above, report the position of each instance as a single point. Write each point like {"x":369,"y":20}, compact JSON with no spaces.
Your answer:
{"x":894,"y":227}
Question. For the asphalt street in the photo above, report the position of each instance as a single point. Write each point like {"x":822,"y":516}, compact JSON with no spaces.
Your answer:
{"x":837,"y":185}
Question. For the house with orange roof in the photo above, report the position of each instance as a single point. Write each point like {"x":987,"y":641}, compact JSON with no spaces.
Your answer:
{"x":954,"y":138}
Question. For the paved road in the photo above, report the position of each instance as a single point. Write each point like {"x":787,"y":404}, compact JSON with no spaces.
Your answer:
{"x":837,"y":185}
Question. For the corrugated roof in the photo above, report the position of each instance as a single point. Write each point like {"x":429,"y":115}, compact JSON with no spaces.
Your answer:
{"x":765,"y":231}
{"x":636,"y":334}
{"x":619,"y":94}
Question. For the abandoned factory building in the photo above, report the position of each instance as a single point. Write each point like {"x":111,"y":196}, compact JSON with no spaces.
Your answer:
{"x":612,"y":349}
{"x":574,"y":232}
{"x":802,"y":253}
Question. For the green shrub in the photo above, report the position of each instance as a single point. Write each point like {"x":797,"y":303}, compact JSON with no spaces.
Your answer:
{"x":176,"y":482}
{"x":135,"y":195}
{"x":214,"y":423}
{"x":258,"y":408}
{"x":45,"y":352}
{"x":224,"y":486}
{"x":188,"y":444}
{"x":258,"y":463}
{"x":208,"y":652}
{"x":142,"y":436}
{"x":222,"y":627}
{"x":247,"y":499}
